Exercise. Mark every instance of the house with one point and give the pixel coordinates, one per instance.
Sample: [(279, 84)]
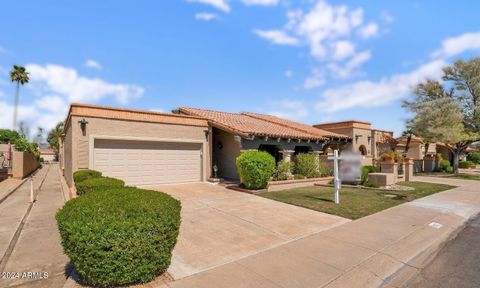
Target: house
[(416, 148), (371, 143), (48, 155), (145, 147)]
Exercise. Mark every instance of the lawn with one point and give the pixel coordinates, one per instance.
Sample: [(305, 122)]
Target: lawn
[(455, 176), (354, 203)]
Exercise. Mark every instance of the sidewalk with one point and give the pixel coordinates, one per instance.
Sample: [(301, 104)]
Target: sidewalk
[(37, 248), (384, 249), (7, 186)]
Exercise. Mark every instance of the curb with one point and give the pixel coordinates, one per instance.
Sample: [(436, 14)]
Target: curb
[(403, 276)]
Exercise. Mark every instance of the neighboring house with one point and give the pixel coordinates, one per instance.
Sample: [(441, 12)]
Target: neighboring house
[(416, 147), (371, 143), (145, 147), (48, 155)]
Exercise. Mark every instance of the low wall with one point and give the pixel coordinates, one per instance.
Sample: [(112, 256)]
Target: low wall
[(23, 164)]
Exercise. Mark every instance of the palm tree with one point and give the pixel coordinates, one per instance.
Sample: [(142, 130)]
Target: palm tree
[(409, 134), (20, 75)]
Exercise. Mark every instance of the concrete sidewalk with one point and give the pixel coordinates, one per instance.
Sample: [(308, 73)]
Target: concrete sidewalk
[(384, 249), (37, 247)]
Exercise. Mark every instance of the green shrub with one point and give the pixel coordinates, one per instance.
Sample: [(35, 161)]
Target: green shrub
[(255, 169), (474, 157), (444, 164), (119, 236), (449, 169), (307, 164), (98, 184), (466, 164), (299, 176), (8, 136), (82, 175), (284, 170), (372, 184), (367, 170)]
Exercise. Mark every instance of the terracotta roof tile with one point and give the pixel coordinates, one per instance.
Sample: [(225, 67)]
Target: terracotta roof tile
[(248, 124), (295, 125)]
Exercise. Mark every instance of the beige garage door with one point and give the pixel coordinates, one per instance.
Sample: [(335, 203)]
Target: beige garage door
[(142, 163)]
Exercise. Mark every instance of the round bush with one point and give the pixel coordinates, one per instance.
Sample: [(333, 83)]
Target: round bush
[(255, 169), (100, 183), (119, 236), (444, 164), (82, 175)]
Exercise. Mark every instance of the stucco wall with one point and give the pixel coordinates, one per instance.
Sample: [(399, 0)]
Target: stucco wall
[(23, 164), (68, 157), (118, 128), (225, 158)]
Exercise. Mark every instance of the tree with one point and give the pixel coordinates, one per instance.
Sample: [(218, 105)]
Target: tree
[(20, 75), (449, 112), (409, 134), (53, 136)]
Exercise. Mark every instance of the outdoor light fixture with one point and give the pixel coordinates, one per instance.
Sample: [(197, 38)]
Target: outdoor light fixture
[(83, 125), (369, 139), (215, 170), (356, 138)]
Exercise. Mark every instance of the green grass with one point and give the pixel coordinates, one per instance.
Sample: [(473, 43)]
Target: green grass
[(354, 203), (448, 175)]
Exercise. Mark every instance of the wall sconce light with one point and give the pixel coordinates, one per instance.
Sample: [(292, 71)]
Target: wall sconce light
[(83, 125), (207, 133), (356, 138), (369, 139)]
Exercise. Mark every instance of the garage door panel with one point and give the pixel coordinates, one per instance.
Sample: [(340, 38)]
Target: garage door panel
[(138, 162)]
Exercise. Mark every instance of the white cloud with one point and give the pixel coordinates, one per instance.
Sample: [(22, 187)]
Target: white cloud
[(457, 45), (331, 33), (55, 79), (369, 30), (289, 109), (206, 16), (349, 68), (343, 49), (370, 93), (93, 64), (387, 17), (278, 37), (219, 4), (316, 79), (261, 2), (288, 73), (54, 87)]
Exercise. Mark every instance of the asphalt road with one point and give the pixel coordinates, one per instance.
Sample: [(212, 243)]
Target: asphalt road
[(457, 264)]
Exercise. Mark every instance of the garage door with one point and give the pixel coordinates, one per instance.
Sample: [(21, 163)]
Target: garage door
[(141, 163)]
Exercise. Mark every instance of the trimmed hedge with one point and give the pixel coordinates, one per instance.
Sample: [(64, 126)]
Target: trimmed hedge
[(466, 164), (307, 164), (119, 236), (82, 175), (98, 184), (255, 169)]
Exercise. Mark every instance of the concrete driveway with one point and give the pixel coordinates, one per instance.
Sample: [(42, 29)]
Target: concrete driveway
[(221, 225)]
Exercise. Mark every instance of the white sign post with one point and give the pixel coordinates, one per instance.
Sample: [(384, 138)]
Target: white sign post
[(347, 173)]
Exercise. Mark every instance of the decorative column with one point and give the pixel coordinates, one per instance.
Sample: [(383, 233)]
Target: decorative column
[(287, 155), (408, 164)]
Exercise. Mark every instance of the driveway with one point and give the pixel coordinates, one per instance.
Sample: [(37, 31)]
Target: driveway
[(221, 225)]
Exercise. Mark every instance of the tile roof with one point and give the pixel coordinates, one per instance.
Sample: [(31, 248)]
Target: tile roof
[(250, 124), (97, 111)]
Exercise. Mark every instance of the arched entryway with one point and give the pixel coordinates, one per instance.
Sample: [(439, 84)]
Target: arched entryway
[(363, 150)]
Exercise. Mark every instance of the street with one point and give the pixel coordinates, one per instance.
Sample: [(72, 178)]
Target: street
[(457, 264)]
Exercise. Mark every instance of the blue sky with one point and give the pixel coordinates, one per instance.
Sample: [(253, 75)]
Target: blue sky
[(311, 61)]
